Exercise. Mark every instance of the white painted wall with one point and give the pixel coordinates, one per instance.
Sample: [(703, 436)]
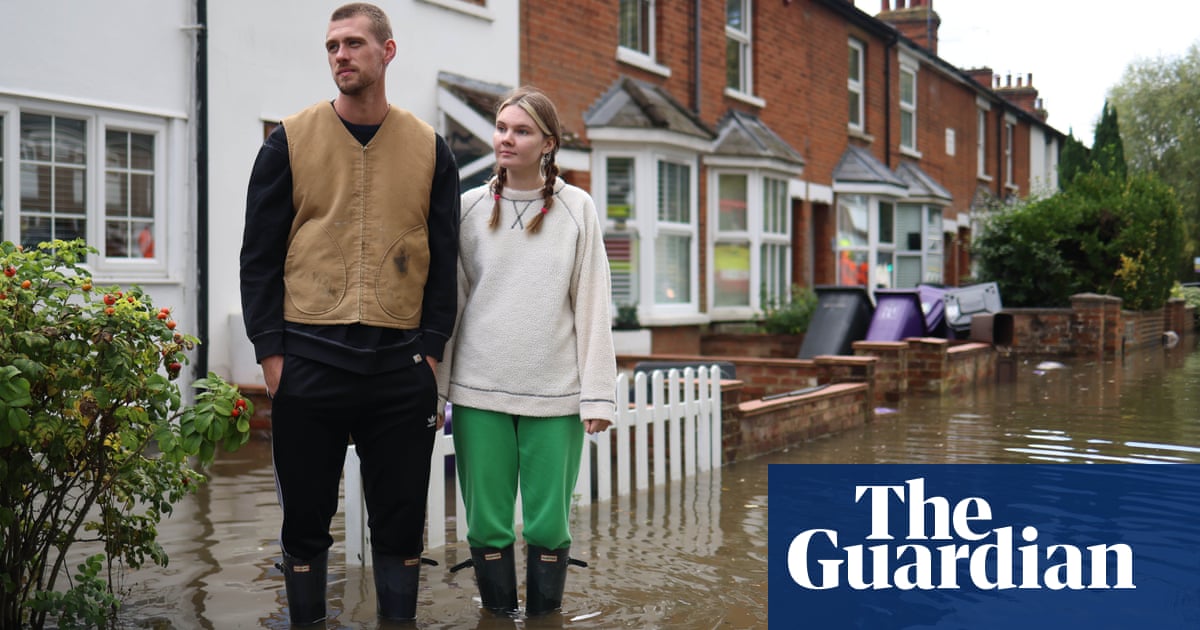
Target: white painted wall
[(267, 60), (120, 60), (1043, 162)]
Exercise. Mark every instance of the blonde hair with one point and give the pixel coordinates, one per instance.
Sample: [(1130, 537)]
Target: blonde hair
[(541, 109)]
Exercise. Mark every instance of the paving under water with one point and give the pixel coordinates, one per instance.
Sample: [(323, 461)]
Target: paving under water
[(690, 554)]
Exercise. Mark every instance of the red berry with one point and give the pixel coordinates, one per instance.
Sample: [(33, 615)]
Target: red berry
[(10, 271), (162, 315), (174, 366), (109, 299), (86, 286), (25, 284), (236, 412), (240, 403), (171, 324), (129, 299), (110, 310)]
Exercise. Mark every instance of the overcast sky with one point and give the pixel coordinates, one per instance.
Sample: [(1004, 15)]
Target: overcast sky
[(1075, 50)]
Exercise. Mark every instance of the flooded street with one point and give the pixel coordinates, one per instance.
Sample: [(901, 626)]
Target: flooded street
[(691, 554)]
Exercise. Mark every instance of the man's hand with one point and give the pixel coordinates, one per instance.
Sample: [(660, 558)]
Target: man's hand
[(272, 368), (596, 425)]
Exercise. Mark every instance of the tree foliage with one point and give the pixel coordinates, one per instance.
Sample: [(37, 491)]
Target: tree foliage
[(1159, 102), (1073, 160), (95, 440), (1104, 234), (1108, 152)]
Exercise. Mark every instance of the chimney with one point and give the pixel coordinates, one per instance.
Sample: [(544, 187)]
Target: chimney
[(1023, 95), (982, 76), (915, 19)]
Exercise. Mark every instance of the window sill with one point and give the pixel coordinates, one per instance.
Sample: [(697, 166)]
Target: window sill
[(859, 134), (984, 178), (466, 8), (912, 153), (642, 61), (749, 99)]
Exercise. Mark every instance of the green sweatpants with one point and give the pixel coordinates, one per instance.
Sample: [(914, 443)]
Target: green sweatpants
[(497, 452)]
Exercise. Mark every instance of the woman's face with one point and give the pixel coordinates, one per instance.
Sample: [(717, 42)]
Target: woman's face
[(517, 141)]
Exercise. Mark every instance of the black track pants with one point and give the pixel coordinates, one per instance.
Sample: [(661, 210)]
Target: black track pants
[(390, 416)]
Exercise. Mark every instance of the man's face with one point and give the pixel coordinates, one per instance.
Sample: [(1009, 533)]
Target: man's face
[(356, 58)]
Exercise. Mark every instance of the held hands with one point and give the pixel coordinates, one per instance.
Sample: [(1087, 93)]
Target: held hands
[(596, 425)]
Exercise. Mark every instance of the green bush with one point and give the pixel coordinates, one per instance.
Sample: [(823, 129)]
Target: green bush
[(1104, 235), (791, 316), (95, 441)]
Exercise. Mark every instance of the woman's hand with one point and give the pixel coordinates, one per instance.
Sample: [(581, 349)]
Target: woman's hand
[(596, 425)]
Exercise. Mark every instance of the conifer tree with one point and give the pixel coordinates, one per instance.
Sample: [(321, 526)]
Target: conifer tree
[(1073, 161), (1108, 152)]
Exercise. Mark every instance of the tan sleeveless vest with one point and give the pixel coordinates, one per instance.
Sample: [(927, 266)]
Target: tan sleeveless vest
[(358, 250)]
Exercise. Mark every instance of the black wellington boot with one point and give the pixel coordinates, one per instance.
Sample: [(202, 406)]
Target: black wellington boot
[(496, 577), (305, 585), (545, 579), (396, 583)]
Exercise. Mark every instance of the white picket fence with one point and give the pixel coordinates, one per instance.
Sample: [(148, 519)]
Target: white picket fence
[(670, 429)]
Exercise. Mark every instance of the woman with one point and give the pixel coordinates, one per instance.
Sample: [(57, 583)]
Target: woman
[(531, 365)]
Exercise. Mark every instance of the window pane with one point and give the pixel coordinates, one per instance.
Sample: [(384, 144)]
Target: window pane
[(909, 226), (70, 143), (883, 270), (674, 193), (907, 127), (53, 178), (886, 223), (853, 269), (620, 189), (852, 221), (731, 282), (908, 271), (672, 260), (907, 88), (775, 259), (129, 193), (735, 14), (733, 64), (775, 206), (37, 138), (623, 267), (855, 64), (731, 212), (635, 25), (855, 109), (933, 230)]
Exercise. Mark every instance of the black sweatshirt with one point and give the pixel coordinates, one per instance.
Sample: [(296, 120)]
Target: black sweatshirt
[(357, 347)]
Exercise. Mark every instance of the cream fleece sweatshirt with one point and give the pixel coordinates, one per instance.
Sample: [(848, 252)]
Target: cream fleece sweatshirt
[(534, 332)]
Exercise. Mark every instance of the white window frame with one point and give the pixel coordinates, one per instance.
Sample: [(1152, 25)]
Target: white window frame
[(644, 59), (646, 227), (744, 40), (857, 87), (908, 71), (96, 122), (755, 237), (981, 128), (1010, 136)]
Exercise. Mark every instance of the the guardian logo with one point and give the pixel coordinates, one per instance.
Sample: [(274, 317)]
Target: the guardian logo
[(949, 545)]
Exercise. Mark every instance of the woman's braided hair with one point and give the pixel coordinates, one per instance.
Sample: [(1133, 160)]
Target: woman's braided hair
[(542, 110)]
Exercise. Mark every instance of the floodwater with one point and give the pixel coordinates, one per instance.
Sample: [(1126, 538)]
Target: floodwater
[(691, 554)]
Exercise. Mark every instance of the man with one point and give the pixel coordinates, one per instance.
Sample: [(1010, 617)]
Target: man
[(348, 294)]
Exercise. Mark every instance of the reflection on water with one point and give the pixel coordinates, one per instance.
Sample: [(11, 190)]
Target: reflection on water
[(691, 554)]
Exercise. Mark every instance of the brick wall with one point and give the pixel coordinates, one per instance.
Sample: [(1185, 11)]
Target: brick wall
[(760, 427), (762, 346)]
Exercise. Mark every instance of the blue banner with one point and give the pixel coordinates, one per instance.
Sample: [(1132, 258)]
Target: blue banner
[(977, 547)]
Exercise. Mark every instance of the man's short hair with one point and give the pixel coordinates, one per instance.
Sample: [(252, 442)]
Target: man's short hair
[(381, 27)]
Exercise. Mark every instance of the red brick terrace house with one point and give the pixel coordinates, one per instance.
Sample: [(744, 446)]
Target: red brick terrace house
[(739, 147)]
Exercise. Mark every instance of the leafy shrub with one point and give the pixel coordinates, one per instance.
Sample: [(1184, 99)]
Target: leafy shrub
[(95, 440), (627, 317), (1105, 235), (792, 316)]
